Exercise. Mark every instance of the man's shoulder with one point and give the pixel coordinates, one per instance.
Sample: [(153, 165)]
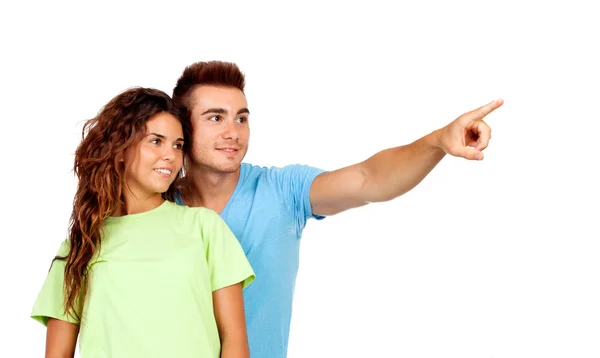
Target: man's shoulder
[(250, 171), (277, 180)]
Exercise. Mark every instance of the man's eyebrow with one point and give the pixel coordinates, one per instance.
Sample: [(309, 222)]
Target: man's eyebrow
[(223, 111), (214, 110)]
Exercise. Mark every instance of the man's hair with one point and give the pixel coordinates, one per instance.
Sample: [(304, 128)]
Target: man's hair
[(214, 73)]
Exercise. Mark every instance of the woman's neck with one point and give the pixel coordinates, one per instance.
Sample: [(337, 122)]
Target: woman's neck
[(137, 205)]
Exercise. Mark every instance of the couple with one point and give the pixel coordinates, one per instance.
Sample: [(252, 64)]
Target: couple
[(161, 264)]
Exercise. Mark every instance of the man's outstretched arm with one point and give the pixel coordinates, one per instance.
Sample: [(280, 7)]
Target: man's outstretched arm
[(395, 171)]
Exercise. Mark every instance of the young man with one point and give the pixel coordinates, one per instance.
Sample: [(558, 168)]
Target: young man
[(267, 208)]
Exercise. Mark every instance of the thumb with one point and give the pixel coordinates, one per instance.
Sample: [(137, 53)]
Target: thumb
[(469, 153)]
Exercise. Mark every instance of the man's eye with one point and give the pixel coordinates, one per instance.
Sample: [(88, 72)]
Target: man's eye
[(242, 119), (214, 118)]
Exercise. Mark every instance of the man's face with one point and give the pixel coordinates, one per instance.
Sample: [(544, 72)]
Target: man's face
[(221, 132)]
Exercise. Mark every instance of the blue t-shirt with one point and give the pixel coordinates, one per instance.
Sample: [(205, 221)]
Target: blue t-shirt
[(267, 212)]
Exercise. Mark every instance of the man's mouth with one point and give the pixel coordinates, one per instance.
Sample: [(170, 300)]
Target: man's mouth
[(228, 151)]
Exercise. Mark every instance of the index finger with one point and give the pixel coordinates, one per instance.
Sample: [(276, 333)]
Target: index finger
[(484, 110)]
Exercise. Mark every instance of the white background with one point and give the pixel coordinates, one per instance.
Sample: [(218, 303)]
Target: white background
[(498, 258)]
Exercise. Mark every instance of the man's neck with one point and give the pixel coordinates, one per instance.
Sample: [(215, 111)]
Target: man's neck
[(210, 189)]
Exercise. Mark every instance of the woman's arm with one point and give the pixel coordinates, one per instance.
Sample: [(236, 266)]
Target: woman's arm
[(231, 321), (61, 339)]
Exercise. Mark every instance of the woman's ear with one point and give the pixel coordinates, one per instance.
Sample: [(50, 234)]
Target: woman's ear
[(119, 159)]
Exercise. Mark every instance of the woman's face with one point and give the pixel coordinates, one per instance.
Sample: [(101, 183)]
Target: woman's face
[(153, 164)]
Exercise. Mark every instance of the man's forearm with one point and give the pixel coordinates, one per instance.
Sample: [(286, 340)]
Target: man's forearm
[(395, 171)]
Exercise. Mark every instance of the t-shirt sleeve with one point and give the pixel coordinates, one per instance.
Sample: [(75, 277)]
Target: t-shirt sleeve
[(227, 262), (294, 182), (49, 303)]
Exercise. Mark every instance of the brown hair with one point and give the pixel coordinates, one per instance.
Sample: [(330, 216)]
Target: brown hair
[(216, 73), (100, 172)]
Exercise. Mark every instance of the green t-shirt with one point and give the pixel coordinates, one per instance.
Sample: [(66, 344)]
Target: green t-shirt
[(151, 284)]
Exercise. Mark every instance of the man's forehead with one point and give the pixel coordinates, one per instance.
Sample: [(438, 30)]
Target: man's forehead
[(228, 98)]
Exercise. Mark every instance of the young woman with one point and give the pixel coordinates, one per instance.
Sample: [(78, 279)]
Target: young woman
[(138, 275)]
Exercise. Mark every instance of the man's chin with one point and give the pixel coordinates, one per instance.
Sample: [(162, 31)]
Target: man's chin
[(230, 167), (219, 166)]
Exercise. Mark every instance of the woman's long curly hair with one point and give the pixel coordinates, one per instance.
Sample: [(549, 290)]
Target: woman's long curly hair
[(100, 171)]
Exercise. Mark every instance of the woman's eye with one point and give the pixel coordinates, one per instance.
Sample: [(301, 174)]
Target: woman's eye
[(155, 141), (178, 146)]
